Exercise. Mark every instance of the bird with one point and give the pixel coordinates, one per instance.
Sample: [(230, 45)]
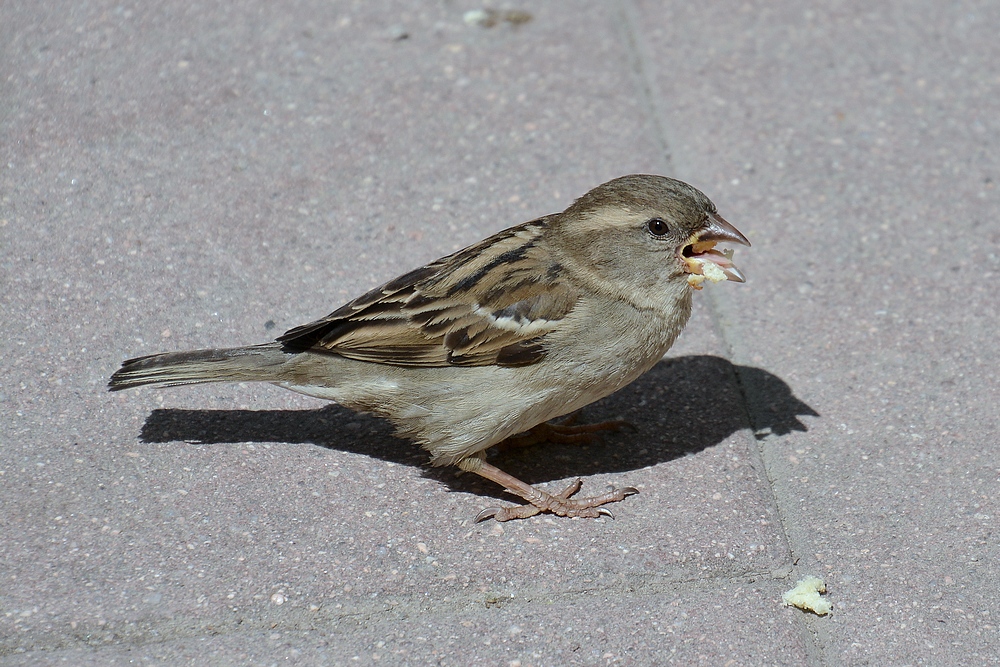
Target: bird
[(488, 344)]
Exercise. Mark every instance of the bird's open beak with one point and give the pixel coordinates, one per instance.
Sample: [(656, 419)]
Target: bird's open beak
[(702, 260)]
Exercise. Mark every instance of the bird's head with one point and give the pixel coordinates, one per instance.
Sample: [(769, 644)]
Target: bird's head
[(644, 234)]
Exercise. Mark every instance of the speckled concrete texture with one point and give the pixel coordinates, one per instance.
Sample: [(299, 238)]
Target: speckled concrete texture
[(180, 175)]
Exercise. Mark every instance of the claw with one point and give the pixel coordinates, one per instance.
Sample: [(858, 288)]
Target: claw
[(605, 512), (487, 513), (630, 491)]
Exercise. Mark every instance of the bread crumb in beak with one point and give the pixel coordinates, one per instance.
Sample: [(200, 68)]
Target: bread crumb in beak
[(703, 262)]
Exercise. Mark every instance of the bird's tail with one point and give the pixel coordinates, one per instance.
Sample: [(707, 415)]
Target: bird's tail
[(258, 363)]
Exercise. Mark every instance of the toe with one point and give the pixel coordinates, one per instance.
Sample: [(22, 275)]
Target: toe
[(571, 489)]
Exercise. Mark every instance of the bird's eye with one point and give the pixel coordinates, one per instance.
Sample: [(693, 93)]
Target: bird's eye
[(657, 227)]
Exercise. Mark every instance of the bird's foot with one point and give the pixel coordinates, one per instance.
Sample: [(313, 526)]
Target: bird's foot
[(561, 504)]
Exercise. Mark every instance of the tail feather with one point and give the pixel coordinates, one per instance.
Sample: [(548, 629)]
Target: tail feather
[(258, 363)]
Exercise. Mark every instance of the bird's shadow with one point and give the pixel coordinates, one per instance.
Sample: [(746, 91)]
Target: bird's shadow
[(681, 406)]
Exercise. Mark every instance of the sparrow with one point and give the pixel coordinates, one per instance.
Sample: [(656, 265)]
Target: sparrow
[(493, 341)]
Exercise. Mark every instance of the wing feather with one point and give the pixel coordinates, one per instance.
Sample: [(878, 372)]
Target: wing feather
[(490, 304)]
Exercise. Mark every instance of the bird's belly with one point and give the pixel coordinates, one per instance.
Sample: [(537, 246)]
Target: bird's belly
[(454, 412)]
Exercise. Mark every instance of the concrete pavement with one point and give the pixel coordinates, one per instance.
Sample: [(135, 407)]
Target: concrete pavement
[(178, 176)]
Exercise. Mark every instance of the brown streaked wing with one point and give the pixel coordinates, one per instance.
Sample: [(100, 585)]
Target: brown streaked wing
[(491, 303)]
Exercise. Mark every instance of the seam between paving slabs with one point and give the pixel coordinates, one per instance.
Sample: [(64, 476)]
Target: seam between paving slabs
[(150, 631), (645, 84), (812, 627), (719, 309), (647, 87)]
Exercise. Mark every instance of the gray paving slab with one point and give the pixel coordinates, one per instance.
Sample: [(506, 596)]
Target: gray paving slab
[(177, 176), (859, 141)]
